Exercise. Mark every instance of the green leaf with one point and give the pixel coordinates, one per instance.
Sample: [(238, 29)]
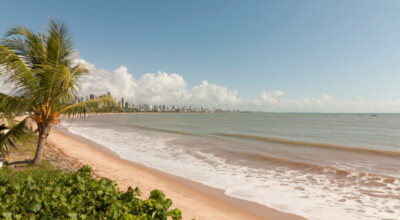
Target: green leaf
[(49, 194), (7, 215), (35, 207), (159, 206), (73, 216), (137, 190)]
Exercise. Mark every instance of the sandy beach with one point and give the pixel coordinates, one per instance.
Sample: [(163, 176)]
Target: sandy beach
[(195, 200)]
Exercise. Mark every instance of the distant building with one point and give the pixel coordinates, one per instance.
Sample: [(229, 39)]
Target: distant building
[(131, 107)]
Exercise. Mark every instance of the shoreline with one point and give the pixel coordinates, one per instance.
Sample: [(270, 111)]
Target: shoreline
[(196, 200)]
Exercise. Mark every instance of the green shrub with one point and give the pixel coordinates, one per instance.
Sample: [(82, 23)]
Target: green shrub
[(51, 194)]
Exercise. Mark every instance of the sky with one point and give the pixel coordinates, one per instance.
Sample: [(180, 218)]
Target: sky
[(298, 56)]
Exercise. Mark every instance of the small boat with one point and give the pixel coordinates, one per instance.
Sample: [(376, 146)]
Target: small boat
[(374, 114)]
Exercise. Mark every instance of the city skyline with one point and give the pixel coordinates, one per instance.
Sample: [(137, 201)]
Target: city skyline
[(144, 107)]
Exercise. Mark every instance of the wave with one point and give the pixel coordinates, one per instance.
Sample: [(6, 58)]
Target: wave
[(310, 167), (165, 130), (281, 141), (311, 144)]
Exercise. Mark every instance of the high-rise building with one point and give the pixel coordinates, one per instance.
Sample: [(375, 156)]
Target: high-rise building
[(91, 96), (109, 93), (122, 102)]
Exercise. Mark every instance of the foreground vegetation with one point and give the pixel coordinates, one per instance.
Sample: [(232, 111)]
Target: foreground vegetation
[(51, 194)]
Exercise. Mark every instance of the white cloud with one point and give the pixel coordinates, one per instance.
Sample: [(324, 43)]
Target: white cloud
[(155, 88), (269, 97), (211, 94), (99, 81), (171, 89), (161, 88)]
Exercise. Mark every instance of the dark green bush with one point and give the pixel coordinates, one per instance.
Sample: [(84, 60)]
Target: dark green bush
[(51, 194)]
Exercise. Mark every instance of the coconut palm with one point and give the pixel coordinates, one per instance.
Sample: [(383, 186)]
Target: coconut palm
[(40, 69)]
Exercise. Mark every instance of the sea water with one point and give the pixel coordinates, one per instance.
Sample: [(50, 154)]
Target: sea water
[(319, 166)]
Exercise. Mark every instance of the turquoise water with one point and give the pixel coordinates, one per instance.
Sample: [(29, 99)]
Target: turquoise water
[(307, 164)]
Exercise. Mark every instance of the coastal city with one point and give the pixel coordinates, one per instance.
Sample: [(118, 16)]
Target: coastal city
[(131, 107)]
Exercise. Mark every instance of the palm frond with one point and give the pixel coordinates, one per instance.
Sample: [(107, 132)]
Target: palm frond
[(59, 44), (19, 133), (57, 86), (61, 91), (16, 72), (78, 70), (25, 43), (81, 109), (77, 73), (10, 104)]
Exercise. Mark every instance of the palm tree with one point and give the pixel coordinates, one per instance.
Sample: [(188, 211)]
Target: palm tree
[(45, 79)]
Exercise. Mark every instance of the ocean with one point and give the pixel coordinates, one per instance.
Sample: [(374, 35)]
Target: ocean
[(319, 166)]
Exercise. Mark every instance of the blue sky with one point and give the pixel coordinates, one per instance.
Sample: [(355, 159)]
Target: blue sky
[(345, 49)]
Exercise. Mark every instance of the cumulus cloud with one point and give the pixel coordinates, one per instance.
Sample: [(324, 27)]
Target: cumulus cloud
[(155, 88), (269, 97), (161, 88), (212, 94), (171, 89), (99, 81)]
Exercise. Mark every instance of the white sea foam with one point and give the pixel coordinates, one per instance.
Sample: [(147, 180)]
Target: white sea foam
[(314, 196)]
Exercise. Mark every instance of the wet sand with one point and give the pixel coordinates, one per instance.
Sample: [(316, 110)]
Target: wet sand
[(194, 199)]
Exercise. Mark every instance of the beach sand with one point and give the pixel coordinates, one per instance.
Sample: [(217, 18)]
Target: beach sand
[(194, 199)]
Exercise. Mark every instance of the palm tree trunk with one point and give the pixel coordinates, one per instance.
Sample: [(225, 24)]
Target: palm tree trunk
[(43, 133)]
